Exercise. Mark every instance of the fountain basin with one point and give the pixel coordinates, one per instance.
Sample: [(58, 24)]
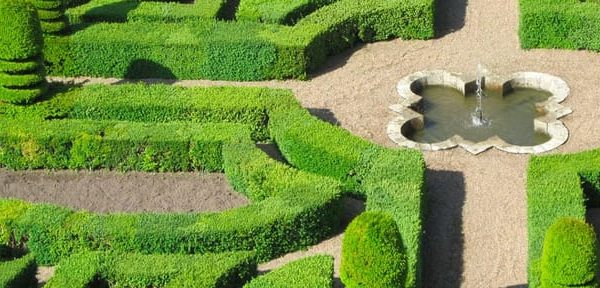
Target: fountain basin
[(546, 131)]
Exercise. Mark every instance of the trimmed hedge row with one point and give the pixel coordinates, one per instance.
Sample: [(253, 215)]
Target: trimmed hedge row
[(18, 273), (235, 51), (22, 74), (146, 12), (83, 144), (299, 209), (309, 272), (391, 180), (554, 190), (277, 11), (569, 24), (163, 103), (165, 270)]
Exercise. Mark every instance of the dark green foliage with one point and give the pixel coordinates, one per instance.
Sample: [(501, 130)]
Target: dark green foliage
[(22, 74), (569, 24), (18, 273), (277, 11), (211, 49), (373, 253), (310, 272), (52, 15), (165, 270), (554, 191), (570, 255)]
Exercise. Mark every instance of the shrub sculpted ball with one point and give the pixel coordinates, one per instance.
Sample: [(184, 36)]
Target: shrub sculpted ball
[(22, 74), (569, 257), (373, 253)]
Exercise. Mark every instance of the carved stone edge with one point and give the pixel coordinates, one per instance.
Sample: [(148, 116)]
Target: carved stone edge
[(549, 123)]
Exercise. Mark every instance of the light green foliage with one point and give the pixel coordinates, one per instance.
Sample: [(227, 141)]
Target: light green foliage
[(11, 209), (310, 272), (52, 15), (570, 255), (554, 191), (568, 24), (277, 11), (166, 270), (373, 253), (18, 273), (22, 74)]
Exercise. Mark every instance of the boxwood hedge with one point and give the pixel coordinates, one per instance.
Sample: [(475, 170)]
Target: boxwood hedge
[(277, 11), (554, 191), (18, 273), (223, 50), (569, 24), (309, 272), (160, 270), (292, 207), (22, 75)]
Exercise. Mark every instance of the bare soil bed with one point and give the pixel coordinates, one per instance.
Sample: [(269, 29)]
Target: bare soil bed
[(107, 191)]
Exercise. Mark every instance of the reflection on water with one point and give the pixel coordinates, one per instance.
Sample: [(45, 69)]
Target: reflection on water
[(448, 112)]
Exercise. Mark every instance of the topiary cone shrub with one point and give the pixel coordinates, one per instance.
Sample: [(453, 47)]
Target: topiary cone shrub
[(52, 15), (22, 73), (372, 252), (569, 256)]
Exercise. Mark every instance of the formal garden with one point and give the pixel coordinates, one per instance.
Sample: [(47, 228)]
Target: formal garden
[(296, 196)]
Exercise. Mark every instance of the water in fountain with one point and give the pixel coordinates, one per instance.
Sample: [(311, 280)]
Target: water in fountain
[(477, 118)]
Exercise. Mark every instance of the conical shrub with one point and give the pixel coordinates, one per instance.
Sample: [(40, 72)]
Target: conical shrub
[(22, 74), (52, 15), (372, 253)]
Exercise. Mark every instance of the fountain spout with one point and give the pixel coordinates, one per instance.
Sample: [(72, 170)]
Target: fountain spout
[(477, 118)]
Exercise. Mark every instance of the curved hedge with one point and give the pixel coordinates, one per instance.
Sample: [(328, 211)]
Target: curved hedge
[(372, 252), (570, 255), (22, 74), (291, 208), (208, 49), (554, 191)]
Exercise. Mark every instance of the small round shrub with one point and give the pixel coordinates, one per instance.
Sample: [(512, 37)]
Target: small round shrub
[(52, 15), (22, 73), (569, 256), (372, 252)]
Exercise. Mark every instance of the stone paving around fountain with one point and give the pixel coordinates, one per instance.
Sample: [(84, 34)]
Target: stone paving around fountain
[(476, 231)]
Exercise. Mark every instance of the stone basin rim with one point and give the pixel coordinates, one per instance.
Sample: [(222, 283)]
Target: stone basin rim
[(548, 123)]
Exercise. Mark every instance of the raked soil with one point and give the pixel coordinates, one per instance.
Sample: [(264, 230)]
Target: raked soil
[(476, 230)]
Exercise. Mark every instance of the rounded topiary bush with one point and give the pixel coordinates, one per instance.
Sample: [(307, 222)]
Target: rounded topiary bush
[(569, 256), (22, 74), (52, 15), (372, 252)]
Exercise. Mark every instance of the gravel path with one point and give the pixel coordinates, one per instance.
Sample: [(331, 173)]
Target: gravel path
[(476, 230)]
